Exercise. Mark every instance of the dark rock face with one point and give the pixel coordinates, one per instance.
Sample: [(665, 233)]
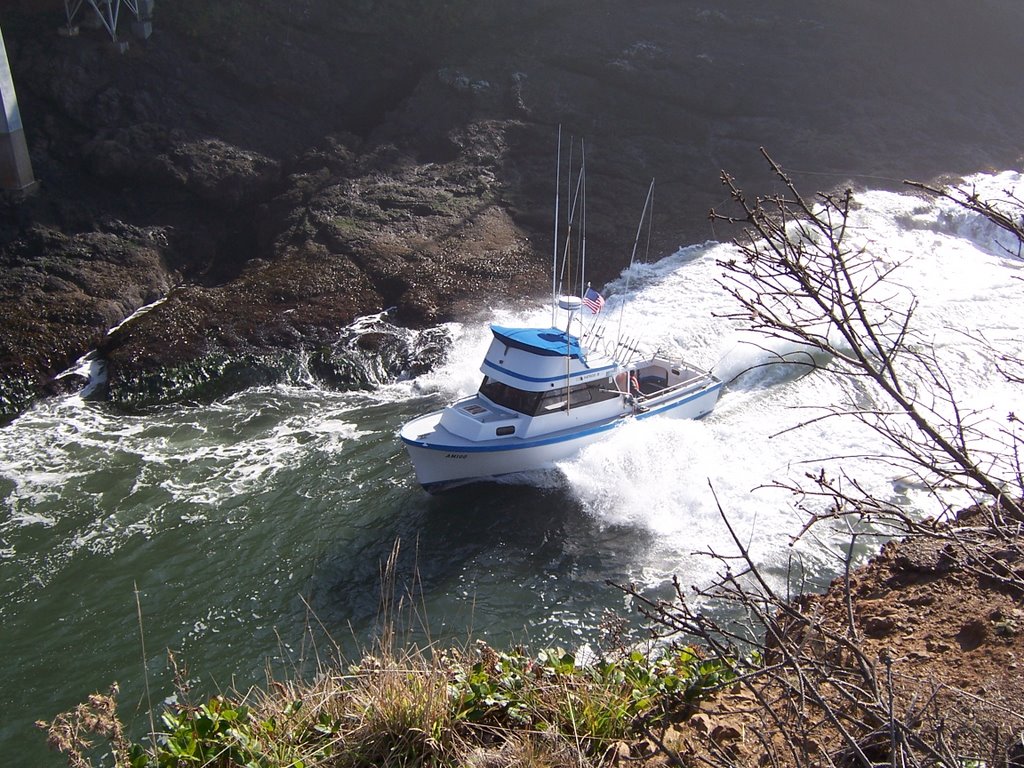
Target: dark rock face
[(276, 170), (59, 294)]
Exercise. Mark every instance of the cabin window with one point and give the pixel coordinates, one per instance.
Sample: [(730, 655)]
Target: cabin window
[(603, 390), (581, 394), (552, 401), (539, 403), (504, 396)]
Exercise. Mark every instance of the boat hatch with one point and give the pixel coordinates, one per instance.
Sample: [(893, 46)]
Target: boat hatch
[(476, 419)]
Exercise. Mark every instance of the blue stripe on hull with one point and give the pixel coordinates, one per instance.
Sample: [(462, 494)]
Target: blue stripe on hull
[(517, 446), (576, 435)]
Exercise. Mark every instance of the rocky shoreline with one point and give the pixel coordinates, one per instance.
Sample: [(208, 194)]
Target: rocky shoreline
[(273, 174)]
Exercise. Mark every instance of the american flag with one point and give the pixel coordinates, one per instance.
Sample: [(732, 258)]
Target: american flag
[(593, 300)]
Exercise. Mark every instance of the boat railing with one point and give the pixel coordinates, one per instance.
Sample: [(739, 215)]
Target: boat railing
[(691, 383)]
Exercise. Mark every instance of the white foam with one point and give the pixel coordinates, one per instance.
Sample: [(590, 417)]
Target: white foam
[(657, 475), (186, 466)]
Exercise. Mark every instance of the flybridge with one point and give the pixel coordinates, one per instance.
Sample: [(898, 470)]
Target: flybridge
[(541, 341), (540, 359)]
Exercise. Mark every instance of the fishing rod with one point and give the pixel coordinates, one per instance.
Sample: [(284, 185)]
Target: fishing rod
[(632, 258), (554, 241)]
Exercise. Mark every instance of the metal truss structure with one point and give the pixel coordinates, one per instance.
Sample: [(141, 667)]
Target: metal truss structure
[(109, 11)]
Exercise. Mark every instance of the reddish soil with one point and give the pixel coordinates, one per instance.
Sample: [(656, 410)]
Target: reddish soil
[(944, 616)]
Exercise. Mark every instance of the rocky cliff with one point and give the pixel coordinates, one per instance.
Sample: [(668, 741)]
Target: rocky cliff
[(274, 170)]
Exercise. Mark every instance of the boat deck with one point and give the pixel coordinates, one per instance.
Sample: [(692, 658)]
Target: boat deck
[(657, 377)]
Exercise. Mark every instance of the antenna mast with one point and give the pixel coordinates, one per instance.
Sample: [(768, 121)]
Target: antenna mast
[(554, 242)]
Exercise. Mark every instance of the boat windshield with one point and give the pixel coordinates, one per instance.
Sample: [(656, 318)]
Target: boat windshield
[(539, 403), (504, 396)]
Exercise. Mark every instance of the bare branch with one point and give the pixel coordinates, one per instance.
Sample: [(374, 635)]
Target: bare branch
[(800, 279)]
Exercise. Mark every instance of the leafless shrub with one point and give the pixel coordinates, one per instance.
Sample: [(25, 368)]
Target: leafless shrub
[(825, 692), (1007, 214), (799, 278)]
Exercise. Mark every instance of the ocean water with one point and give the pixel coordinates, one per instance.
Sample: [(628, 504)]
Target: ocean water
[(252, 532)]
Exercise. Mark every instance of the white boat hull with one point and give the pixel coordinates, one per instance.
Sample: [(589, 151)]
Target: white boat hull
[(443, 460)]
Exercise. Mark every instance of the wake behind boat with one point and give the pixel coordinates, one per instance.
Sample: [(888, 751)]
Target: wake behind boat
[(548, 392)]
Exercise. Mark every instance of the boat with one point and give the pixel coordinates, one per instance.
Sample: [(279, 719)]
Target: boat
[(548, 392)]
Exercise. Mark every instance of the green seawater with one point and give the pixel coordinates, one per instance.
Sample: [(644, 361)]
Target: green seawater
[(252, 532)]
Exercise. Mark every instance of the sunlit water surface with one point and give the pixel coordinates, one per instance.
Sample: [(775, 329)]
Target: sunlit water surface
[(255, 528)]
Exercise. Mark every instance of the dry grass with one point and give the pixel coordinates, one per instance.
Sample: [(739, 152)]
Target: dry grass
[(403, 706), (407, 709)]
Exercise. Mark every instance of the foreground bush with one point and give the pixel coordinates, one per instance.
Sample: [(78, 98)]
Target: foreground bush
[(460, 707)]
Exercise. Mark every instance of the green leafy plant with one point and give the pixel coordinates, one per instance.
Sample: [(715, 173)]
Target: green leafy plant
[(598, 701), (215, 733), (412, 708), (493, 689)]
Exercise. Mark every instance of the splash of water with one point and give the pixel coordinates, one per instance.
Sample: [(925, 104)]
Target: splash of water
[(964, 277), (224, 513)]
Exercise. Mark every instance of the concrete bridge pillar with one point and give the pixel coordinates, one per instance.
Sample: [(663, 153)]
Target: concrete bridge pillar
[(15, 165)]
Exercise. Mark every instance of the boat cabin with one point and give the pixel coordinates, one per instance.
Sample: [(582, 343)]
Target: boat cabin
[(540, 403)]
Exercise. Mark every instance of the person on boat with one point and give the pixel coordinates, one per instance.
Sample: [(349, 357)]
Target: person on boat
[(627, 383)]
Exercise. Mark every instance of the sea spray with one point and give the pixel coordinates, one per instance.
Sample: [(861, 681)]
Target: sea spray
[(248, 520)]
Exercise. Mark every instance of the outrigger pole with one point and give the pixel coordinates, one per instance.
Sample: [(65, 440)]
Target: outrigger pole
[(583, 219), (554, 242), (565, 271), (629, 274)]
